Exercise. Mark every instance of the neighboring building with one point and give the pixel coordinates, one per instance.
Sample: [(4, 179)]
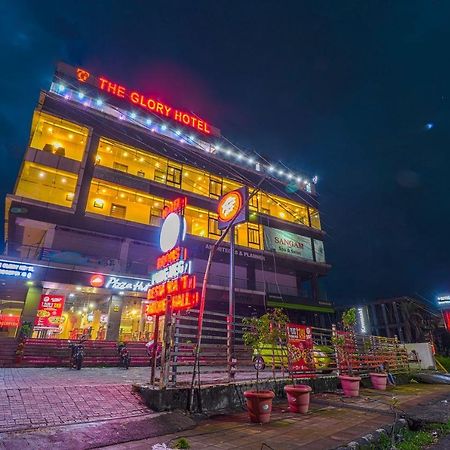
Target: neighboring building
[(82, 223), (408, 318)]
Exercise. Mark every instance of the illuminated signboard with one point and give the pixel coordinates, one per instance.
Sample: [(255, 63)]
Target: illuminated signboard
[(173, 275), (233, 206), (49, 312), (16, 269), (135, 97), (444, 300), (119, 283)]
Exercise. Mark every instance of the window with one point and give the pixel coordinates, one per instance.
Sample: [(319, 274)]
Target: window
[(195, 181), (315, 218), (215, 188), (121, 167), (253, 203), (60, 137), (155, 216), (174, 176), (253, 235), (118, 211), (160, 176), (213, 227), (46, 184)]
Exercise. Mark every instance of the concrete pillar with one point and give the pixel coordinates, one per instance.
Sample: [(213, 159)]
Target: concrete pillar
[(49, 237), (124, 248), (114, 316), (31, 305)]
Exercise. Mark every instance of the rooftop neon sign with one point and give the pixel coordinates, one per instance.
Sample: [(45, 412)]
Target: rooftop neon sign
[(141, 100)]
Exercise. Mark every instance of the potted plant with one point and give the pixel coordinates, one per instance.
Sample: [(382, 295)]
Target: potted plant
[(379, 377), (298, 395), (345, 348), (259, 402)]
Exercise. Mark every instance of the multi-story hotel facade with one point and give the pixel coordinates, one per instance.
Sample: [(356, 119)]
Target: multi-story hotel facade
[(82, 223)]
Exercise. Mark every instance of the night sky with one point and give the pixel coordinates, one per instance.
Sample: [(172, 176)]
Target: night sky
[(356, 92)]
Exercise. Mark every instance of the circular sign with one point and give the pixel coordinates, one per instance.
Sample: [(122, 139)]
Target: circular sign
[(97, 280), (229, 206), (173, 230)]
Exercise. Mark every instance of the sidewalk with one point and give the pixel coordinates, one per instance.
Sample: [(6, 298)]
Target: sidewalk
[(333, 421)]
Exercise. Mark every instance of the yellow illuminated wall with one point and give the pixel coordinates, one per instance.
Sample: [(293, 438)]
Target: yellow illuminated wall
[(183, 176), (58, 136), (46, 184), (127, 204)]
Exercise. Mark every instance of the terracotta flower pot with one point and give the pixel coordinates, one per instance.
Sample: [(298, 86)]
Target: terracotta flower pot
[(298, 397), (350, 385), (379, 380), (259, 405)]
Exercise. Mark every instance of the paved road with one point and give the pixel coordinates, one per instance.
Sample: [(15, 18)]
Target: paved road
[(32, 398)]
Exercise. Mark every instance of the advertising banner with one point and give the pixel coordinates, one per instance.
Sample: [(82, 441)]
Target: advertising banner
[(300, 345), (9, 320), (287, 243), (49, 313), (320, 252)]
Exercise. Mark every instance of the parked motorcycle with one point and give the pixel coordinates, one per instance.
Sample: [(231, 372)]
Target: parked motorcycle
[(77, 354), (124, 355)]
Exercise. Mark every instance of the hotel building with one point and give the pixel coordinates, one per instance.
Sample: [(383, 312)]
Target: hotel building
[(82, 222)]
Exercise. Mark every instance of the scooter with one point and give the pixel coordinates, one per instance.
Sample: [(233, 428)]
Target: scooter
[(77, 354), (124, 355)]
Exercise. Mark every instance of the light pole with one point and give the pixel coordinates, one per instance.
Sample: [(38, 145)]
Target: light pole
[(212, 251)]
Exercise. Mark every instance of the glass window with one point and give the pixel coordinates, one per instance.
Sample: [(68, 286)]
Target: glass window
[(229, 186), (174, 175), (121, 167), (118, 211), (213, 227), (253, 203), (315, 218), (137, 162), (123, 203), (46, 184), (253, 235), (195, 180), (60, 137), (215, 187)]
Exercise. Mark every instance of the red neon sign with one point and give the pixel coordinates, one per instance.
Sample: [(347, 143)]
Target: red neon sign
[(171, 257), (179, 301), (446, 315), (177, 207), (149, 103)]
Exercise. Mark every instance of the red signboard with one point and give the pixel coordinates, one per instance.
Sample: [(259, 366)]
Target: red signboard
[(49, 312), (300, 344), (146, 102), (446, 315), (9, 320), (173, 277)]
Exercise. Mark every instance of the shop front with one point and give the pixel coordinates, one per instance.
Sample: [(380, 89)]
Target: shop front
[(58, 303)]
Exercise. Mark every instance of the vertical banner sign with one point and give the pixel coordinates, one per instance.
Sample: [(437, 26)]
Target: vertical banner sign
[(173, 275), (49, 312), (300, 345), (233, 205), (446, 315)]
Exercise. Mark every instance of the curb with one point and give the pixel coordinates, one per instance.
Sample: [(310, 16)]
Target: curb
[(368, 440)]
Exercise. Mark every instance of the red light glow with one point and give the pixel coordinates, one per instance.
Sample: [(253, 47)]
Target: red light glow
[(153, 105), (177, 207), (172, 256), (180, 301)]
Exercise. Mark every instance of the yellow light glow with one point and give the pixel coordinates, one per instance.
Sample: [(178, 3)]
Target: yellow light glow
[(125, 154), (282, 214), (50, 129), (70, 136), (157, 164), (63, 180), (122, 195), (156, 204), (139, 199), (141, 159)]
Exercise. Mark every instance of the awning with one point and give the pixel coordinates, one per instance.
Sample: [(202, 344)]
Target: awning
[(323, 309)]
